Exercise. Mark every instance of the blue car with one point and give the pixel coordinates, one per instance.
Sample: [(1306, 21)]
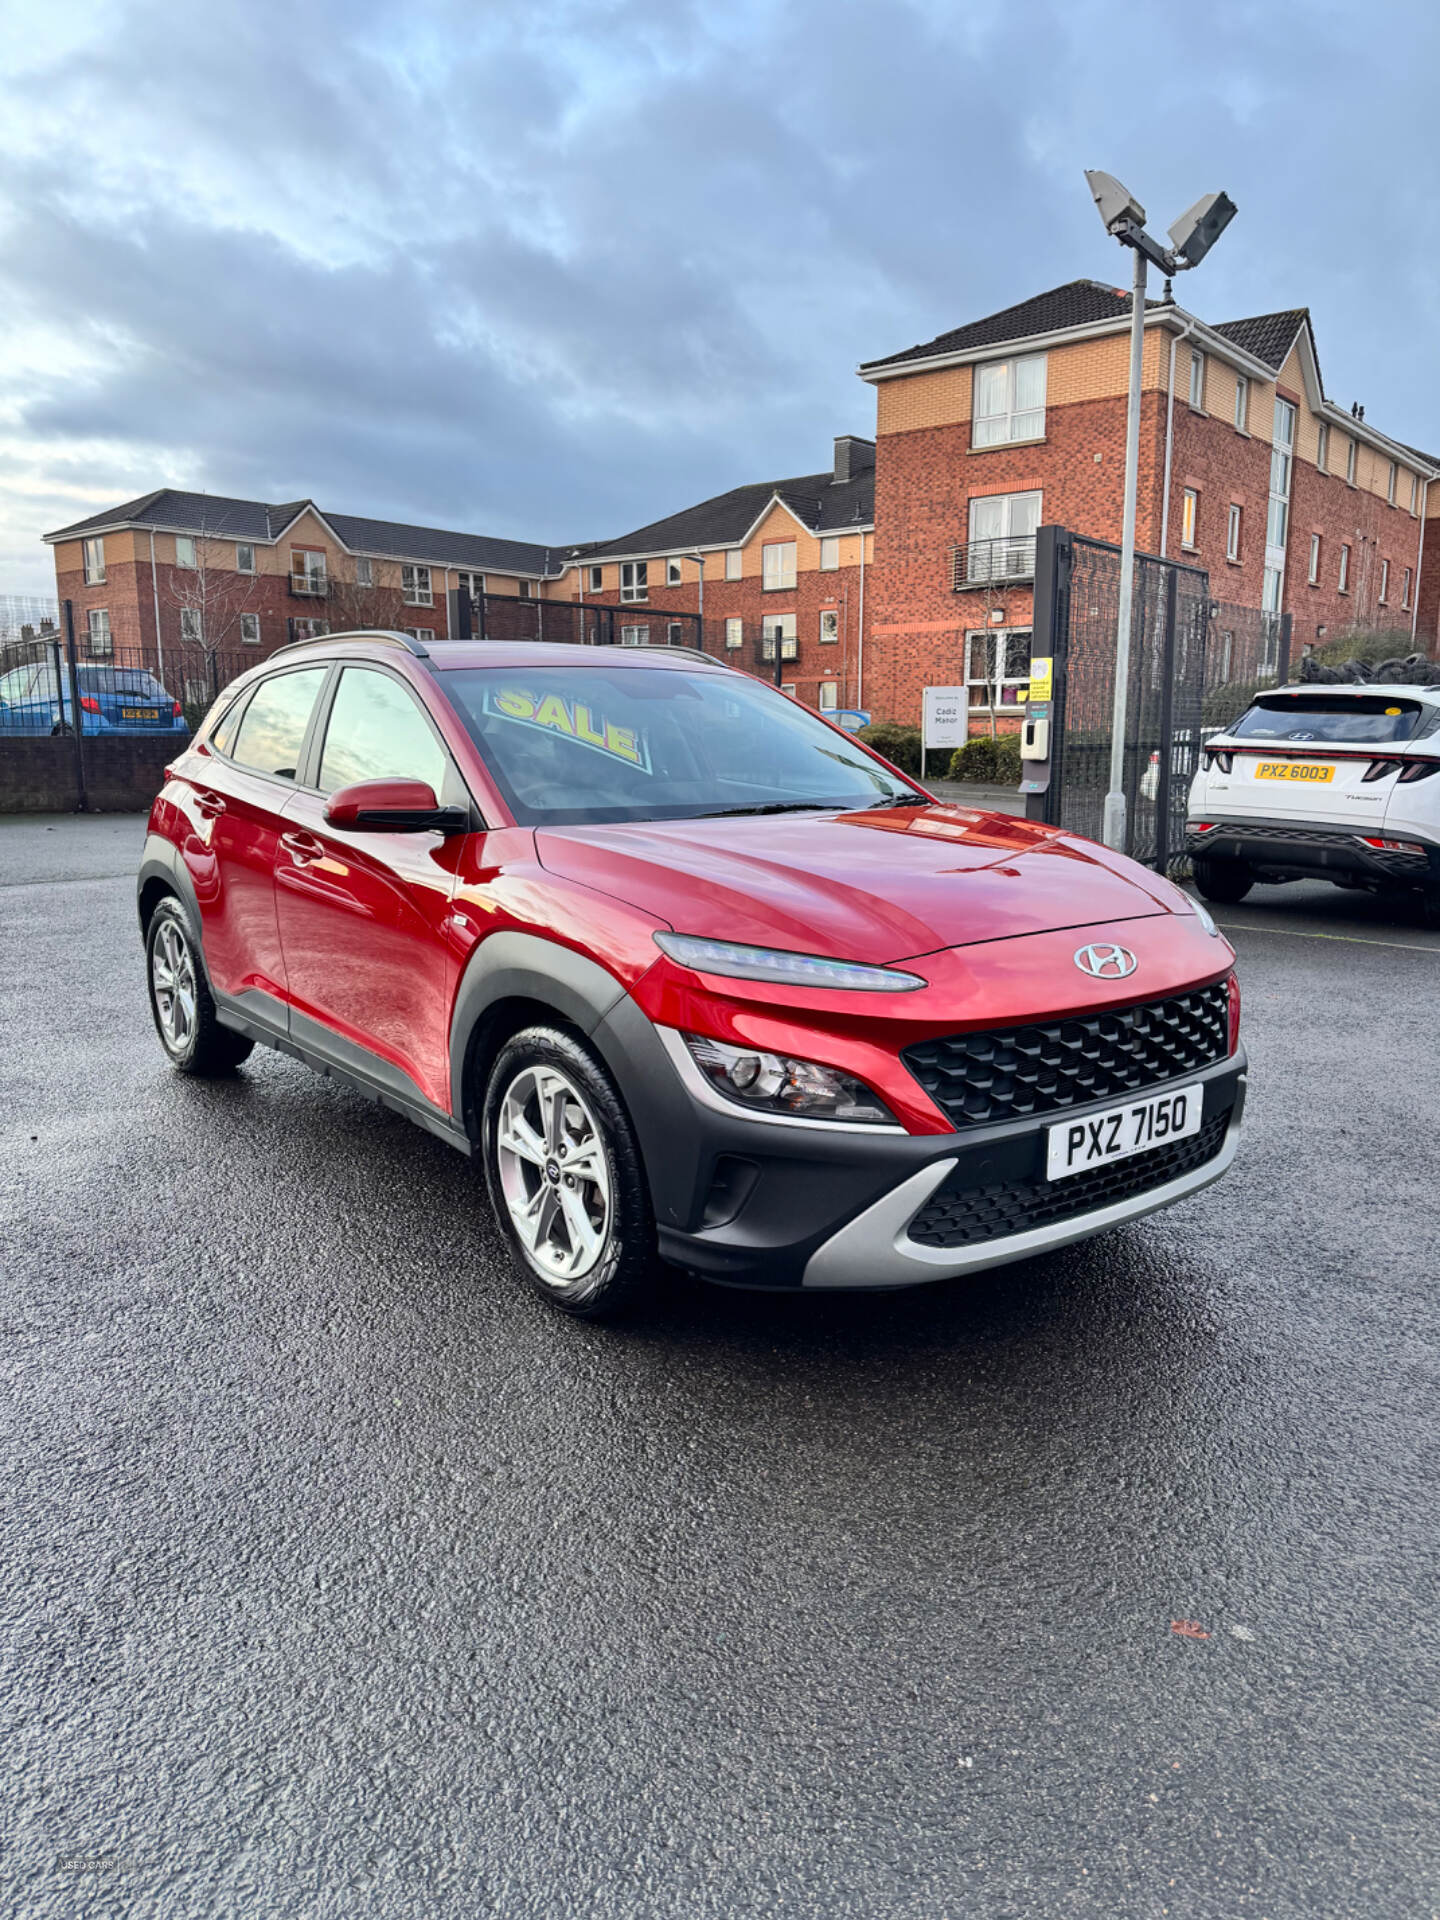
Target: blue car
[(112, 700)]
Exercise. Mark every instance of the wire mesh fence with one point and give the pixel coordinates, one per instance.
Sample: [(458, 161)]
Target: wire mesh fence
[(46, 688)]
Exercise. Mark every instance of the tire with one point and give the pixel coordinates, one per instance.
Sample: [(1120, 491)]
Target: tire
[(1223, 881), (180, 1001), (548, 1100)]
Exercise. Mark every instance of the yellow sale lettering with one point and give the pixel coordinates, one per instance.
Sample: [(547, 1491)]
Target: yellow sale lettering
[(577, 721)]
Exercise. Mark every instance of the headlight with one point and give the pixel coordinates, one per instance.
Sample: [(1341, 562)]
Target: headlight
[(782, 969), (774, 1083), (1206, 919)]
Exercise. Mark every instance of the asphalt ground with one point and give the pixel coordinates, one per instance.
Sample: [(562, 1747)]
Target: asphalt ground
[(340, 1577)]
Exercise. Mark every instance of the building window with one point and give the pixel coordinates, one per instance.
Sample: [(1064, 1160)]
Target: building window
[(307, 570), (1242, 402), (734, 634), (526, 590), (1189, 517), (997, 666), (1322, 448), (1197, 380), (1351, 450), (423, 634), (250, 629), (191, 626), (634, 636), (829, 626), (830, 553), (1384, 582), (1391, 482), (675, 633), (673, 573), (244, 557), (1009, 401), (778, 567), (1344, 569), (1002, 538), (94, 551), (734, 562), (184, 550), (1414, 491), (635, 580), (365, 571), (597, 579), (781, 627), (472, 585), (308, 628), (99, 619), (1232, 533), (1314, 560), (829, 696), (415, 586), (1405, 589)]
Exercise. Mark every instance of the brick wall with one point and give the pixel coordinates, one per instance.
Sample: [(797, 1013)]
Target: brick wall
[(123, 773)]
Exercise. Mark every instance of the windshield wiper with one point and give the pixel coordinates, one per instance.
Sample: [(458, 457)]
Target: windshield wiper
[(773, 806), (900, 800)]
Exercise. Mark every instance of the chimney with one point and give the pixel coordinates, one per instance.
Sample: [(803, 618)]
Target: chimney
[(853, 456)]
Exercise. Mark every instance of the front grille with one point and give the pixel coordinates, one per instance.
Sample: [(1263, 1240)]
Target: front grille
[(979, 1078), (957, 1215)]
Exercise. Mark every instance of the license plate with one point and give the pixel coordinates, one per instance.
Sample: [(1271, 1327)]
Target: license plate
[(1074, 1146), (139, 713), (1294, 770)]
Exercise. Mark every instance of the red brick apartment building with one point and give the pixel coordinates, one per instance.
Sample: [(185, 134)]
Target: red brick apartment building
[(875, 577), (1290, 502)]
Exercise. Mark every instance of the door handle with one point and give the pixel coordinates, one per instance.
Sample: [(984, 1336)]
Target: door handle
[(302, 847), (210, 805)]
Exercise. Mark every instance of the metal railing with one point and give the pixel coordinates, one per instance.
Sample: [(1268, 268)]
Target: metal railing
[(984, 563)]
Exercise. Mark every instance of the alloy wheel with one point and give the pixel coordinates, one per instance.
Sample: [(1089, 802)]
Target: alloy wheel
[(172, 980), (554, 1173)]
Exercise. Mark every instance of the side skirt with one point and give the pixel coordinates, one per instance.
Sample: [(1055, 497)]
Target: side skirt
[(266, 1020)]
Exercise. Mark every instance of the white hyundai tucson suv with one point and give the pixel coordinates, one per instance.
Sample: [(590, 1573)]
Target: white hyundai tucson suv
[(1322, 783)]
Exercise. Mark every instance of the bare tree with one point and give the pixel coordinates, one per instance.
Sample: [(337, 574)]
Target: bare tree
[(213, 594), (350, 605)]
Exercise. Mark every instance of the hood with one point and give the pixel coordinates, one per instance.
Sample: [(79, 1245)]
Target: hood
[(878, 886)]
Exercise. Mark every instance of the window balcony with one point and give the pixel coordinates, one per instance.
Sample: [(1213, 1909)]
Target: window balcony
[(989, 563), (308, 586)]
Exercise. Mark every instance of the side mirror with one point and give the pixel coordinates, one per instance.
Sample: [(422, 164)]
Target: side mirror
[(392, 806)]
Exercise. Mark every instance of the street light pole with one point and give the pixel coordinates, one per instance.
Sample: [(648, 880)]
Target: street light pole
[(1192, 235), (1113, 831)]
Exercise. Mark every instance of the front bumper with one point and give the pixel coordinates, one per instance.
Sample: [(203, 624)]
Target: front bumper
[(1324, 850), (759, 1203)]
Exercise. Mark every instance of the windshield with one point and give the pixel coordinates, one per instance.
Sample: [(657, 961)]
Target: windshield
[(127, 680), (1364, 720), (586, 744)]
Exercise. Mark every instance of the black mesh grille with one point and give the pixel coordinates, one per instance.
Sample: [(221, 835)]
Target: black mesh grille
[(956, 1215), (980, 1078)]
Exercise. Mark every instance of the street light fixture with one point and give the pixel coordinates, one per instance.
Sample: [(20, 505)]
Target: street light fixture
[(1193, 235)]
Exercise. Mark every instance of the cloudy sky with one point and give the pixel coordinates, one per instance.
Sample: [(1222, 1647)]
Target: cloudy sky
[(552, 270)]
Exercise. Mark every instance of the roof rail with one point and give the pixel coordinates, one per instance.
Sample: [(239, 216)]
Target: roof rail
[(388, 636)]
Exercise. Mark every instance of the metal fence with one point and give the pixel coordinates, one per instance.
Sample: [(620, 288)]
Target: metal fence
[(45, 683), (1195, 665), (27, 616)]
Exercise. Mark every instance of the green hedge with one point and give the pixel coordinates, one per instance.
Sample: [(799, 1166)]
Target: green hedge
[(994, 763), (901, 746)]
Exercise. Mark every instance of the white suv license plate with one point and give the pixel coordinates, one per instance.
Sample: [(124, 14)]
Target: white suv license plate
[(1074, 1146)]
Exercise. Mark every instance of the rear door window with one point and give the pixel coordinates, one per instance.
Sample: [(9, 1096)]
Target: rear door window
[(273, 729), (376, 731)]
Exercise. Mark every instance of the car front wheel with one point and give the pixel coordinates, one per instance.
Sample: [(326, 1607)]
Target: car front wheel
[(1223, 881), (180, 999), (565, 1175)]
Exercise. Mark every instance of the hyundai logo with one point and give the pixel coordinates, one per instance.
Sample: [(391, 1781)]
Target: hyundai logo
[(1106, 962)]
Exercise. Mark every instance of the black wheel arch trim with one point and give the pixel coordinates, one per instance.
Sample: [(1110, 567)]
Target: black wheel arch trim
[(161, 862)]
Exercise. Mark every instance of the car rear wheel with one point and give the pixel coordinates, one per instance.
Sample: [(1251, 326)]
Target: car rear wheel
[(1223, 881), (180, 999), (565, 1175)]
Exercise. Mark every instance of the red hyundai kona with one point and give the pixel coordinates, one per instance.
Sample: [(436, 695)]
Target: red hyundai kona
[(693, 973)]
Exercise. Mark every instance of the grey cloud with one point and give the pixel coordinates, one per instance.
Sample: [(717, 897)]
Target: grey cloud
[(552, 272)]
